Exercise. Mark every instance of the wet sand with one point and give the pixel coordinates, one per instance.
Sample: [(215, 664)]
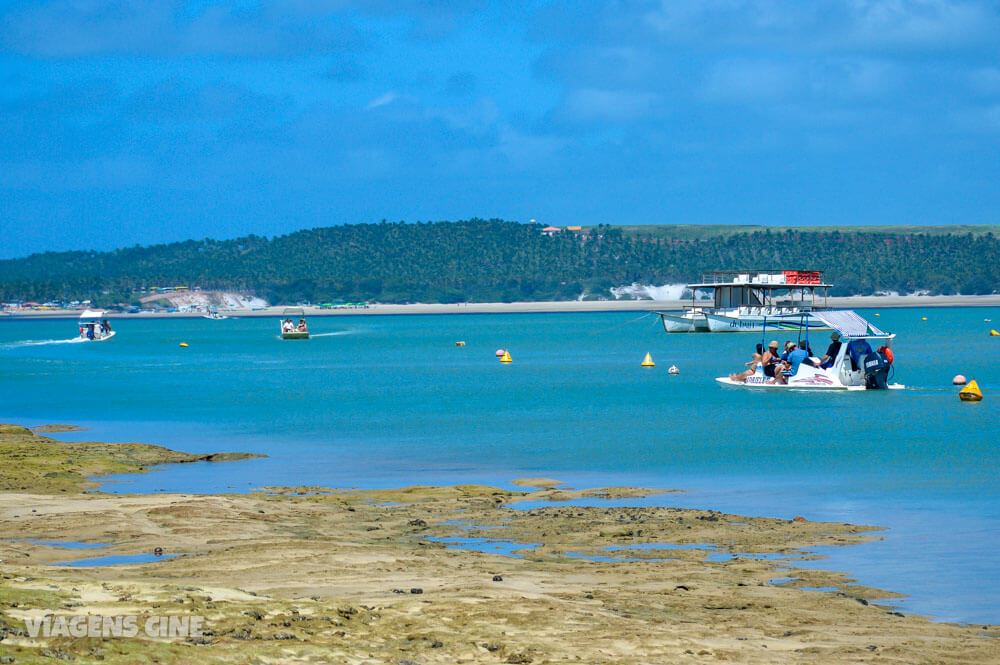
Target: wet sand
[(327, 575)]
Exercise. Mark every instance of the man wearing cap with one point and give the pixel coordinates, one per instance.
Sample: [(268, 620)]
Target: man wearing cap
[(831, 351)]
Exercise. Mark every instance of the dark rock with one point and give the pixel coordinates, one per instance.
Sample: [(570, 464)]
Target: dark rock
[(489, 646), (284, 636), (158, 551), (399, 590), (437, 644), (416, 589), (862, 601), (498, 578), (681, 587), (417, 522)]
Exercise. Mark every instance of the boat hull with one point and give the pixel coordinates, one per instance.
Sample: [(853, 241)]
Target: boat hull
[(684, 322), (755, 322), (101, 339), (295, 335)]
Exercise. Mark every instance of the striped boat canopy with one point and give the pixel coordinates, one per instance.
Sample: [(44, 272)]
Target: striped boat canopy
[(848, 323)]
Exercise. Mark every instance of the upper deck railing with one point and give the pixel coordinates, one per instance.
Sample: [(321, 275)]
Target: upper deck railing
[(764, 277)]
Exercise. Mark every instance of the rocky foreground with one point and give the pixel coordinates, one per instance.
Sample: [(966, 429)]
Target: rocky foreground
[(314, 575)]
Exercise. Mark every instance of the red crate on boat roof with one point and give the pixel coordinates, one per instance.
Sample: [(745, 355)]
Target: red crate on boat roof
[(801, 276)]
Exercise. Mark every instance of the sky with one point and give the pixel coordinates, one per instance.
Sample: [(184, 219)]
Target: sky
[(127, 122)]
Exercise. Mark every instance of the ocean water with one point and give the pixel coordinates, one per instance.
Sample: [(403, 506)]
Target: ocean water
[(376, 401)]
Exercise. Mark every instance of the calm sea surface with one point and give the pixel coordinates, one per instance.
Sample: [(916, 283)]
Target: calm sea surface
[(392, 401)]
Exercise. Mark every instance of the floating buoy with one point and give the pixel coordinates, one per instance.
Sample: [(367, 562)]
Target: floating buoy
[(459, 343), (673, 370), (959, 380), (648, 361), (994, 333), (184, 344), (506, 357), (500, 353), (877, 314), (923, 318), (971, 392)]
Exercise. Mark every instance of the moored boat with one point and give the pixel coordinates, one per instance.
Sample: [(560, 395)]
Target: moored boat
[(743, 300), (863, 360)]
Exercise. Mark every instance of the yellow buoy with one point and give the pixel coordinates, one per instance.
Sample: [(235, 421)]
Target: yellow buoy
[(506, 357), (648, 361), (459, 343), (923, 318), (184, 344), (994, 333), (971, 392), (877, 314)]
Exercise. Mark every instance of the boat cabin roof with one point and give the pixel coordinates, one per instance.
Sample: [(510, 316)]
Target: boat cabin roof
[(764, 279)]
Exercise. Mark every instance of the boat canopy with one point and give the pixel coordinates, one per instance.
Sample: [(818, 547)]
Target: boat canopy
[(293, 311), (92, 314), (848, 323)]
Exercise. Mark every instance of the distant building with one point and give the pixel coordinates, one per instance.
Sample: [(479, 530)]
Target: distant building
[(574, 228), (549, 230)]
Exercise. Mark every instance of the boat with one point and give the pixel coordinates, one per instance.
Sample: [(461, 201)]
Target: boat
[(94, 327), (214, 315), (297, 329), (743, 300), (863, 362)]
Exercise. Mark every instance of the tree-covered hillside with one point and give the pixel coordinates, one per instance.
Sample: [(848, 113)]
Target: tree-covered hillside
[(495, 260)]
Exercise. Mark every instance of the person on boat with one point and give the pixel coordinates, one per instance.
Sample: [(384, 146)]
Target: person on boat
[(770, 360), (302, 326), (106, 326), (752, 367), (287, 325), (831, 351)]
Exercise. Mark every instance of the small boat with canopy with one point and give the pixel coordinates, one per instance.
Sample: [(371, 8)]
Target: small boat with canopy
[(94, 327), (293, 323), (862, 362)]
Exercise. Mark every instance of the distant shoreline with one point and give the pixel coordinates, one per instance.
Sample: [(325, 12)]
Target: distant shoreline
[(851, 302)]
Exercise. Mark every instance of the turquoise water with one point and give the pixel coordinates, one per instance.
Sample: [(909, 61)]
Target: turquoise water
[(391, 401)]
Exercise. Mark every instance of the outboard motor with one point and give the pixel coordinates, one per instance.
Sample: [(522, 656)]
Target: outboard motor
[(876, 366)]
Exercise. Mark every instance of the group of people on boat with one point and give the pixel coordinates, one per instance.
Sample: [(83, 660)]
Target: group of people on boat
[(778, 366), (95, 329), (288, 326)]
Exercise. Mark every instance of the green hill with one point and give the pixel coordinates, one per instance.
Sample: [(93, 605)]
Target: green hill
[(496, 260)]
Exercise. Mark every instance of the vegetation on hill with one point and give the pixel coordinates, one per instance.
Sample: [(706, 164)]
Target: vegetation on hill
[(496, 260)]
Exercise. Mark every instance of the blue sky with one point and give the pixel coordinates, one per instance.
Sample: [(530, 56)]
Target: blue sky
[(129, 122)]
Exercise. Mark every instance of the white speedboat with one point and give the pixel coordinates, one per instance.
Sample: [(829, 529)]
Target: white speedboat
[(744, 301), (863, 362), (94, 327), (214, 315)]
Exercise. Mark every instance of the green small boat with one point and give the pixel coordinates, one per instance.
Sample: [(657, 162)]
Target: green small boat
[(291, 329)]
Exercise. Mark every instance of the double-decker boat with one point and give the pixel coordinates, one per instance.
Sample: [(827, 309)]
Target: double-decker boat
[(863, 361), (742, 300)]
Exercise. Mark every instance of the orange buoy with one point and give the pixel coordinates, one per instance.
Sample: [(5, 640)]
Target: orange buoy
[(971, 392)]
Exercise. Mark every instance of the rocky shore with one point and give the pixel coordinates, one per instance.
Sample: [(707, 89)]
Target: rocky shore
[(318, 574)]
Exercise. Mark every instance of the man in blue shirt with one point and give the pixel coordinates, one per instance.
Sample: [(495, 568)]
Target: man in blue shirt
[(797, 356)]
